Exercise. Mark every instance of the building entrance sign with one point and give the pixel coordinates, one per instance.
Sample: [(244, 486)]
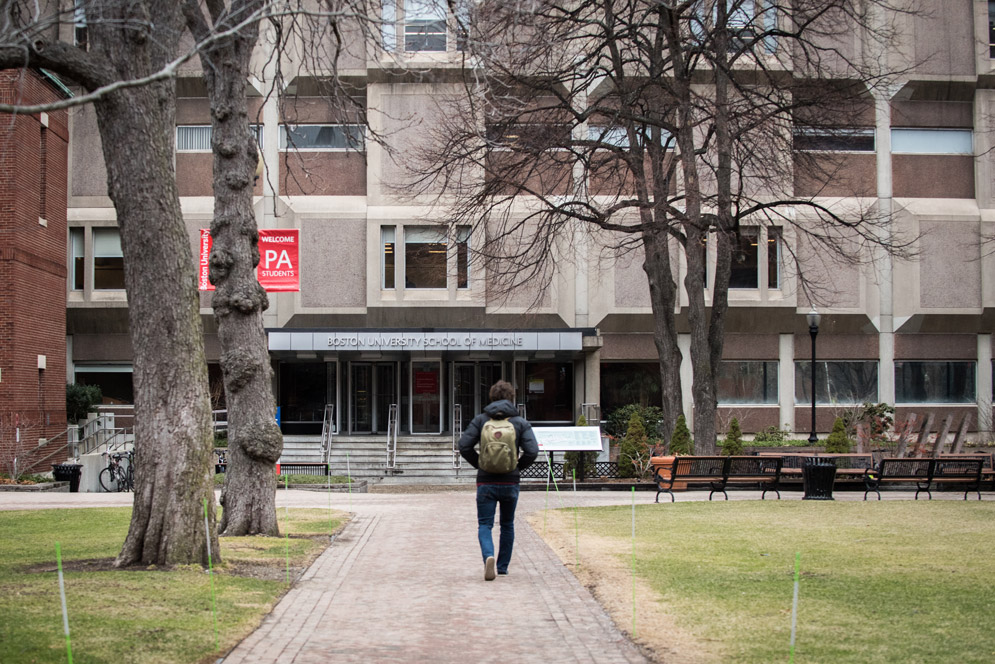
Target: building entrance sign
[(568, 439), (425, 341)]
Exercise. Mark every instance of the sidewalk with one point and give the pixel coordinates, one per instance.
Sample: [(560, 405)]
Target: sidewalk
[(404, 583)]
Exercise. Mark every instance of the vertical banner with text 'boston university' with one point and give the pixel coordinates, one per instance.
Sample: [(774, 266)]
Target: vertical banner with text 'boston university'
[(279, 265)]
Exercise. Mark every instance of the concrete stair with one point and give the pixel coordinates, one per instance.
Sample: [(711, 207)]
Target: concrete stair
[(419, 460)]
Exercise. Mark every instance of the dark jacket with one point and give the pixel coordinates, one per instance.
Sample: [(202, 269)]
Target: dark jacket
[(528, 448)]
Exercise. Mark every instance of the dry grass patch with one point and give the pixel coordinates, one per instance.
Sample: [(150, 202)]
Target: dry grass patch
[(882, 582)]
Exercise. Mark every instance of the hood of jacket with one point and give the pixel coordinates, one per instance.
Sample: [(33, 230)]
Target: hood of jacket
[(501, 410)]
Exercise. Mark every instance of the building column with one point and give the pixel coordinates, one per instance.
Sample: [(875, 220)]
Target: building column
[(687, 378), (884, 267), (592, 373), (786, 381), (985, 425)]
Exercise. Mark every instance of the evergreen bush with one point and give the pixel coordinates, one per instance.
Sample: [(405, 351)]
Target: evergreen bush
[(681, 442), (733, 443), (838, 442), (634, 449), (81, 399)]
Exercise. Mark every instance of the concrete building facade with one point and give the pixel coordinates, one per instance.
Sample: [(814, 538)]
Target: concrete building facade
[(393, 311)]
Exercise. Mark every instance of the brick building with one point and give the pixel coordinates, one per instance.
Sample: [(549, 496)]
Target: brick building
[(33, 229)]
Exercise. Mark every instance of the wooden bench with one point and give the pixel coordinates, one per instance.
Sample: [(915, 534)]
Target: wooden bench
[(849, 467), (718, 472), (987, 465), (924, 473)]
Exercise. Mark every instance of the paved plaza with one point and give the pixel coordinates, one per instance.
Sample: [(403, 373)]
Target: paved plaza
[(403, 582)]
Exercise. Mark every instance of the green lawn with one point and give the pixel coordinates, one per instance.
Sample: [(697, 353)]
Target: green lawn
[(880, 581), (146, 616)]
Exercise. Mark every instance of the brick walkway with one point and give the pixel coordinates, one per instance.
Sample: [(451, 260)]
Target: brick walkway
[(404, 583)]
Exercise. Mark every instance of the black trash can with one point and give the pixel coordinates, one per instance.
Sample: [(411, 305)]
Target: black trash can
[(68, 472), (818, 477)]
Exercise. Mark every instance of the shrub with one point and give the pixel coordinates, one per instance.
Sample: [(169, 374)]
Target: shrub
[(733, 444), (771, 434), (81, 399), (838, 442), (634, 450), (681, 442), (617, 423)]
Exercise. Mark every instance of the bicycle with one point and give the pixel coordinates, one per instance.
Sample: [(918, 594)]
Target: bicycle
[(118, 476)]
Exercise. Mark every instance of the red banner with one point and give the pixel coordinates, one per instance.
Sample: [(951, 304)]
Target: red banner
[(279, 263), (279, 267), (203, 283)]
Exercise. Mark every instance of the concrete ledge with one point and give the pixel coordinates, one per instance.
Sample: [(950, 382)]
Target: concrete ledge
[(62, 487), (357, 487)]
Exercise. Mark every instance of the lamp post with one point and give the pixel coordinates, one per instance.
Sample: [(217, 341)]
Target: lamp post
[(813, 319)]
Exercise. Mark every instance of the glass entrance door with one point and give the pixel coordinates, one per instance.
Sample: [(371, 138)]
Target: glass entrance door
[(464, 391), (360, 398), (426, 397), (472, 383), (373, 388), (385, 384)]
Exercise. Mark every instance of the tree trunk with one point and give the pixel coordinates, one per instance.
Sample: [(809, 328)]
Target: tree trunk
[(172, 410), (254, 439), (663, 298)]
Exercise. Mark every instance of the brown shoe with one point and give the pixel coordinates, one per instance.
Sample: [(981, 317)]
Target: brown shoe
[(490, 569)]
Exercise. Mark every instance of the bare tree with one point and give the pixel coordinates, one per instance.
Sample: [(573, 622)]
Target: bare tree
[(127, 42), (658, 124)]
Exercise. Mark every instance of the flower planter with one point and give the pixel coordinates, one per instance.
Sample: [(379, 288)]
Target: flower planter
[(664, 464)]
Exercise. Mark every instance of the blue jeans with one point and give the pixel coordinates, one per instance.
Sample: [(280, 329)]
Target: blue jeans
[(488, 497)]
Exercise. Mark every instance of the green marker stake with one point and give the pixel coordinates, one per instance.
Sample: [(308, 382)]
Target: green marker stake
[(576, 521), (330, 529), (633, 561), (286, 529), (65, 612), (210, 572), (286, 487), (794, 606), (545, 512)]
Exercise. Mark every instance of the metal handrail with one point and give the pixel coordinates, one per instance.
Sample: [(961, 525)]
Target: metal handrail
[(392, 437), (327, 430), (457, 431), (70, 444), (217, 422)]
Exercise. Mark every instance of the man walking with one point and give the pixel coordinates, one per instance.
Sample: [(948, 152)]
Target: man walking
[(507, 446)]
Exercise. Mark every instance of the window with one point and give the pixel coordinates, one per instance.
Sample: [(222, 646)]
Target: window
[(387, 234), (424, 25), (746, 258), (425, 257), (747, 382), (197, 138), (811, 139), (114, 381), (991, 29), (530, 137), (623, 383), (547, 390), (322, 137), (77, 259), (935, 382), (932, 141), (773, 257), (108, 261), (618, 137), (79, 24), (837, 382)]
